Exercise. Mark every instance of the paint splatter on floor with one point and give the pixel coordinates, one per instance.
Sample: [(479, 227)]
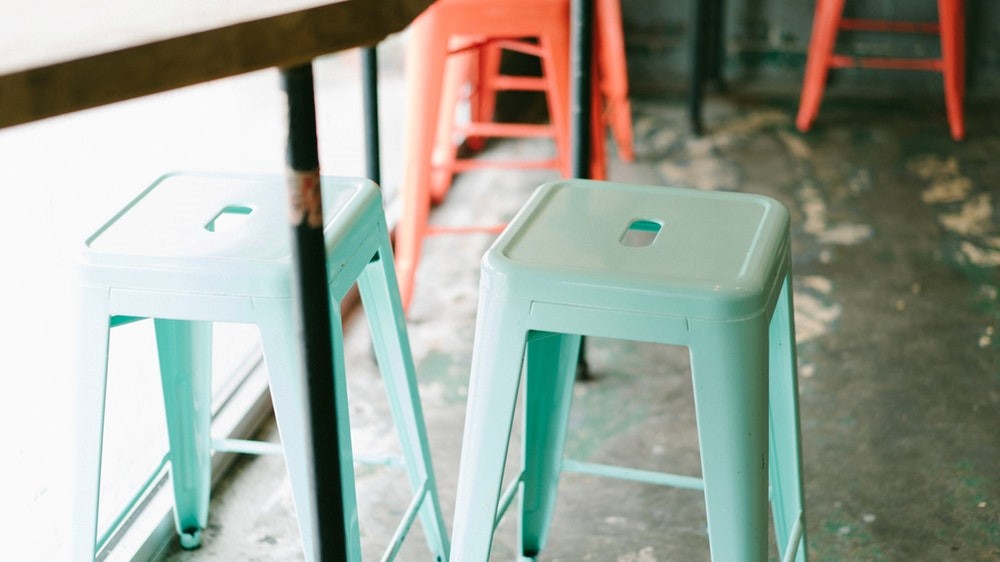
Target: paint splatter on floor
[(962, 210)]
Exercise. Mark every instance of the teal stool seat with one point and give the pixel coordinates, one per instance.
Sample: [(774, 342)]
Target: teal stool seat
[(706, 270), (174, 255)]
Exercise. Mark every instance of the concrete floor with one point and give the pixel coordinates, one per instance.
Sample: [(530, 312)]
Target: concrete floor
[(896, 242)]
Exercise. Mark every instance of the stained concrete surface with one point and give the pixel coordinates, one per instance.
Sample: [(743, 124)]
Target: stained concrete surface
[(896, 249)]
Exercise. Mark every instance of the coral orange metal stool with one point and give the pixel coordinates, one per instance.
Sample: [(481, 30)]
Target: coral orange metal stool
[(480, 68), (707, 270), (459, 42), (611, 81), (828, 20)]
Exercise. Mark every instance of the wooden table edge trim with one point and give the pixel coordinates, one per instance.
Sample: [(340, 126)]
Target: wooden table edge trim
[(277, 41)]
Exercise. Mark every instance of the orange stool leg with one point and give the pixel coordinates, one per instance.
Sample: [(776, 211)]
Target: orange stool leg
[(426, 75), (459, 67), (484, 89), (613, 73), (598, 156), (826, 22), (555, 69), (951, 15)]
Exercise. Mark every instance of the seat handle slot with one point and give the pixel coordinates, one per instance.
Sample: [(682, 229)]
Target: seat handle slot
[(229, 218), (641, 233)]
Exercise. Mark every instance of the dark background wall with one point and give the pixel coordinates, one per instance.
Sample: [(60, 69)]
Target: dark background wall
[(765, 43)]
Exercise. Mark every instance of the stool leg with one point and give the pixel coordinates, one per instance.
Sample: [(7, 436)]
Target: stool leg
[(350, 497), (951, 15), (91, 355), (425, 68), (185, 352), (613, 73), (787, 502), (482, 75), (826, 22), (493, 384), (550, 372), (598, 136), (729, 370), (380, 297), (289, 395), (456, 75), (484, 92), (555, 68)]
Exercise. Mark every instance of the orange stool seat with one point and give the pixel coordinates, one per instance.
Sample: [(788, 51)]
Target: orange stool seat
[(828, 20), (457, 44)]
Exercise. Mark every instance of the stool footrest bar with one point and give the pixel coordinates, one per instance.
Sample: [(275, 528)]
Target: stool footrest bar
[(520, 46), (634, 474), (506, 130), (886, 63), (856, 24), (506, 498), (247, 447), (489, 229), (465, 165), (394, 462), (404, 525), (794, 538), (520, 83)]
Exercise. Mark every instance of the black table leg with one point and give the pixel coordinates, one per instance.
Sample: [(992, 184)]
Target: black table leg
[(706, 56), (699, 43), (369, 79), (716, 48), (581, 49), (313, 310)]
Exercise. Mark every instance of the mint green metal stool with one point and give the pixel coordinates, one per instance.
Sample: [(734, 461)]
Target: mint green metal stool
[(707, 270), (173, 255)]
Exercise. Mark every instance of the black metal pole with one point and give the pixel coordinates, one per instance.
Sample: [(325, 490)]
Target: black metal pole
[(582, 53), (581, 47), (716, 46), (369, 80), (313, 308), (706, 57), (699, 48)]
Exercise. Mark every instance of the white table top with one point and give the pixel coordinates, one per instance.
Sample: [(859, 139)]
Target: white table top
[(58, 56)]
